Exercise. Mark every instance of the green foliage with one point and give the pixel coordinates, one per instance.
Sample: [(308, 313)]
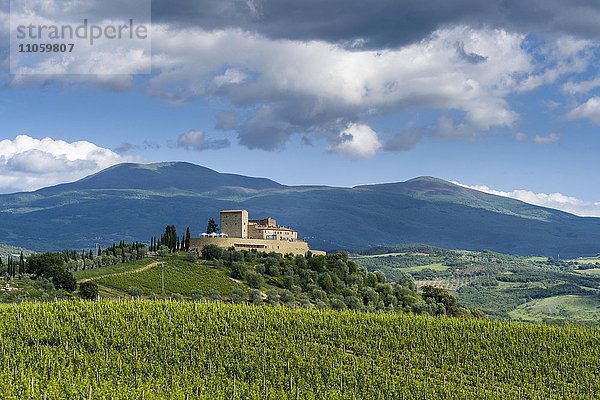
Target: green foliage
[(499, 284), (180, 277), (169, 238), (191, 256), (254, 279), (211, 252), (51, 266), (40, 289), (211, 227), (162, 349), (238, 269), (88, 290), (135, 292), (333, 281), (441, 296)]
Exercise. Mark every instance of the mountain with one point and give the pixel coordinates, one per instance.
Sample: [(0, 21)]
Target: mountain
[(136, 201)]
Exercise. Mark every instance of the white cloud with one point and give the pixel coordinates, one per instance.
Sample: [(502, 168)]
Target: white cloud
[(557, 201), (320, 88), (550, 138), (581, 87), (285, 87), (27, 163), (231, 76), (588, 110), (564, 55), (357, 141)]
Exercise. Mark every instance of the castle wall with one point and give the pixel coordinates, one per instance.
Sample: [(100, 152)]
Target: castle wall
[(278, 246)]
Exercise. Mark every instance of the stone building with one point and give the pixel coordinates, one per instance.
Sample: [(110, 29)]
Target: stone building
[(260, 234)]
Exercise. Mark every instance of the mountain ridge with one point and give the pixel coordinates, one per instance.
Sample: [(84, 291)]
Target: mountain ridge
[(135, 201)]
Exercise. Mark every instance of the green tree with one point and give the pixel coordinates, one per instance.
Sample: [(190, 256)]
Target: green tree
[(188, 238), (254, 279), (211, 252), (21, 263), (88, 290), (238, 296), (441, 296), (51, 266), (212, 226), (238, 269), (256, 296), (169, 238)]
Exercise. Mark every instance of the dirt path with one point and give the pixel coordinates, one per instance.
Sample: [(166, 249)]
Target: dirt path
[(131, 271)]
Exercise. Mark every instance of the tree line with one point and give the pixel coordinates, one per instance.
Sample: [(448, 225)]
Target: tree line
[(330, 281)]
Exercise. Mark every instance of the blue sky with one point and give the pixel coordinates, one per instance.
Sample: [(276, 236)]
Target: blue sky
[(499, 97)]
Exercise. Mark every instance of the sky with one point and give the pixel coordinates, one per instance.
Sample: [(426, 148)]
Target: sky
[(501, 96)]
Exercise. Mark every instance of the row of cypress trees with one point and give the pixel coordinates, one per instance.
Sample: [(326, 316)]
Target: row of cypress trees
[(171, 240), (13, 267)]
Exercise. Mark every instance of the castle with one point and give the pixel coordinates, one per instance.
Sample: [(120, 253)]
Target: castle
[(263, 235)]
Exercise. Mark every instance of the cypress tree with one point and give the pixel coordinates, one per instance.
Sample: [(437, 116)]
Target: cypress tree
[(188, 237), (21, 263), (123, 255)]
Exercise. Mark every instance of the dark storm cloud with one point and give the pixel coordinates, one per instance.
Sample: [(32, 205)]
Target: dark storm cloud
[(270, 125), (383, 23), (198, 141)]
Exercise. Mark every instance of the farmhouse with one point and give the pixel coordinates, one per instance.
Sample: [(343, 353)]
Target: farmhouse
[(246, 234)]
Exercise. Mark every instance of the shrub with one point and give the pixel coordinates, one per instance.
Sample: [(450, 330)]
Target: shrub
[(191, 256), (211, 252), (177, 296), (88, 290), (256, 296), (197, 295), (272, 297), (254, 279), (135, 291), (238, 269), (214, 295), (238, 296)]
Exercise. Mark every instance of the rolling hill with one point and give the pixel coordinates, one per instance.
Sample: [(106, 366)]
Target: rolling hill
[(136, 201)]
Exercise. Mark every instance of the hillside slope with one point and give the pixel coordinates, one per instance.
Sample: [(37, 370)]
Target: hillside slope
[(157, 349), (134, 201)]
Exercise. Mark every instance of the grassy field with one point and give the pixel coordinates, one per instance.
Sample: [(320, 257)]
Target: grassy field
[(113, 269), (435, 267), (586, 260), (536, 258), (591, 271), (569, 307), (181, 277), (174, 350)]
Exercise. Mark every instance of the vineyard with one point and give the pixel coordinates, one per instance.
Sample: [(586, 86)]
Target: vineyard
[(172, 350)]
